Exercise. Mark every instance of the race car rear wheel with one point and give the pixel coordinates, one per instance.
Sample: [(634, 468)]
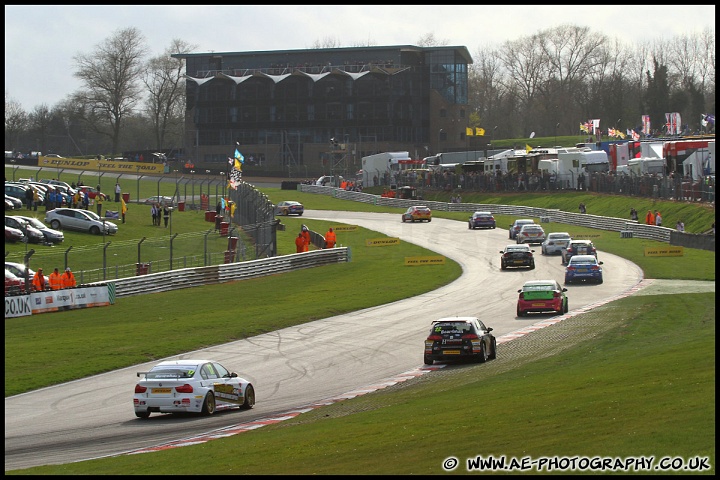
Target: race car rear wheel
[(483, 355), (428, 360), (249, 398), (520, 313), (565, 310), (142, 414), (208, 407), (493, 355)]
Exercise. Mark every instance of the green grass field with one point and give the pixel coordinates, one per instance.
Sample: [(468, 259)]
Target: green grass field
[(635, 377)]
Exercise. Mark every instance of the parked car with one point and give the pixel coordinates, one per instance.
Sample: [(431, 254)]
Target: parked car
[(16, 190), (459, 338), (516, 225), (329, 181), (530, 233), (191, 386), (517, 256), (417, 213), (12, 203), (35, 186), (583, 268), (289, 207), (161, 199), (67, 187), (13, 235), (80, 220), (51, 235), (555, 242), (542, 296), (32, 234), (481, 220), (92, 192), (578, 247), (18, 269), (13, 284)]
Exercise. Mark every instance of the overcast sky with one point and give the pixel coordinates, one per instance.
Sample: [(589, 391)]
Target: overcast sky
[(41, 40)]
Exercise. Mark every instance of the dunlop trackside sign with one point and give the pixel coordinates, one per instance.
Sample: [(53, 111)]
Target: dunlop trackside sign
[(101, 165), (427, 260), (381, 242), (345, 228), (664, 251)]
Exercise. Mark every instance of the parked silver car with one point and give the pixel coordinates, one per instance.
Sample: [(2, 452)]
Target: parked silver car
[(32, 234), (80, 220), (51, 235)]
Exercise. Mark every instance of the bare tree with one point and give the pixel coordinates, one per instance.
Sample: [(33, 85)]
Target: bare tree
[(16, 122), (429, 40), (166, 90), (327, 42), (486, 90), (39, 123), (527, 73), (111, 76)]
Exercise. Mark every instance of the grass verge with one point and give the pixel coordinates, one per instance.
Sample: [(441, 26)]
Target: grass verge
[(633, 378)]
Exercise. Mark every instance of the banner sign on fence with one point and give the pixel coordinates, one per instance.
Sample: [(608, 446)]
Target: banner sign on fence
[(82, 297), (664, 251), (17, 306), (345, 228), (101, 165), (426, 260), (382, 242)]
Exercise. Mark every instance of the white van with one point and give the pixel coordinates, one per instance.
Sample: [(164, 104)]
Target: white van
[(329, 181)]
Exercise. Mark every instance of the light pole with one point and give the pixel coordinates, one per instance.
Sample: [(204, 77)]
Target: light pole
[(440, 132), (556, 128)]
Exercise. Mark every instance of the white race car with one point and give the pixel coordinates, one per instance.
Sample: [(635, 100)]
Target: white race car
[(191, 386)]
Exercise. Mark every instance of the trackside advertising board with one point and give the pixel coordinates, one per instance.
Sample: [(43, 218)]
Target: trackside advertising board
[(55, 300), (664, 251)]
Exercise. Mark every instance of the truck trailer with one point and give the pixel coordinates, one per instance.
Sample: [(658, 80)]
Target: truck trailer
[(381, 168)]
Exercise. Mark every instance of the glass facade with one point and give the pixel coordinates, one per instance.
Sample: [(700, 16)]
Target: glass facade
[(366, 96)]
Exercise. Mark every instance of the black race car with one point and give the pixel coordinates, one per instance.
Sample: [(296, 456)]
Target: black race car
[(517, 256), (456, 338)]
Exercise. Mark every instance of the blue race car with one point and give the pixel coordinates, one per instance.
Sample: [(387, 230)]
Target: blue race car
[(583, 267)]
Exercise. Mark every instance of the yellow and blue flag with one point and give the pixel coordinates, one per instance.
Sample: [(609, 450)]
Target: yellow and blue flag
[(235, 175)]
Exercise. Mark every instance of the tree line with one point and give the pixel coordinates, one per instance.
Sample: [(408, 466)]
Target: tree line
[(547, 83)]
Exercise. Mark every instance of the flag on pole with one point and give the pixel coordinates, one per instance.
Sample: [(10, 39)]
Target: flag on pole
[(645, 124), (469, 131), (235, 175), (527, 148), (480, 132)]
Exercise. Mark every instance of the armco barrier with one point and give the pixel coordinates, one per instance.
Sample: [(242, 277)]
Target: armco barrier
[(214, 274), (638, 230)]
